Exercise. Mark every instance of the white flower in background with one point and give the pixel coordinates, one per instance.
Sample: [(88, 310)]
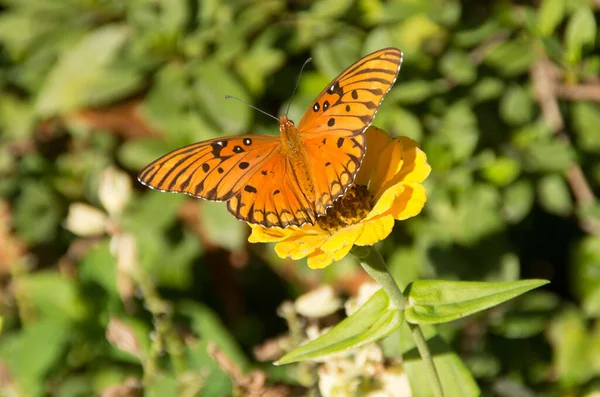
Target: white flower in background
[(318, 303), (114, 191), (365, 291), (85, 220)]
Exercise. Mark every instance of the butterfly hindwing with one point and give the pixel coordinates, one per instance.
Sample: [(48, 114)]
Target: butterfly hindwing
[(347, 106), (273, 197), (334, 163), (213, 169)]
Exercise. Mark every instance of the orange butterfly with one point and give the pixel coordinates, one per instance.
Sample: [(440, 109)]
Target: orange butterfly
[(291, 179)]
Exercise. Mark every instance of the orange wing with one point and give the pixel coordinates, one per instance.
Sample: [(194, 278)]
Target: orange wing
[(347, 106), (214, 170), (334, 124), (247, 171)]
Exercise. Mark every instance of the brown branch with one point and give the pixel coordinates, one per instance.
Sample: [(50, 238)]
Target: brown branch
[(251, 385), (580, 92), (544, 76)]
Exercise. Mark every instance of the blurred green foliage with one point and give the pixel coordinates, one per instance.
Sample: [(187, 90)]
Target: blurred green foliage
[(503, 96)]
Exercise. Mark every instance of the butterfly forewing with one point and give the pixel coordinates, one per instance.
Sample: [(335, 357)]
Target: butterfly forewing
[(347, 106), (214, 169)]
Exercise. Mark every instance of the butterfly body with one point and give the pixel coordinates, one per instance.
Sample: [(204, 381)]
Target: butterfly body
[(292, 179)]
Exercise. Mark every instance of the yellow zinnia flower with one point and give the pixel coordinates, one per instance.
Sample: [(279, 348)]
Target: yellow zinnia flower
[(387, 188)]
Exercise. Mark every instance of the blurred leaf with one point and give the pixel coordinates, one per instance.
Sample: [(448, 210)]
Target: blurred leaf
[(580, 33), (209, 327), (591, 304), (526, 316), (550, 15), (213, 82), (518, 201), (331, 57), (554, 195), (373, 321), (163, 386), (516, 105), (454, 375), (586, 116), (459, 129), (511, 57), (32, 352), (487, 88), (433, 301), (52, 296), (99, 266), (221, 226), (413, 91), (37, 213), (472, 37), (549, 156), (457, 66), (585, 270), (501, 171), (330, 8), (571, 350), (71, 82)]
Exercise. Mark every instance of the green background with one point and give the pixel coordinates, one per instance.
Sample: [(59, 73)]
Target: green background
[(503, 96)]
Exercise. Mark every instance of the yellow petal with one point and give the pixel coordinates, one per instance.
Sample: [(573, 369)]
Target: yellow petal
[(386, 200), (301, 245), (375, 230), (319, 259), (389, 164), (410, 202), (377, 139), (269, 235), (342, 238), (415, 167)]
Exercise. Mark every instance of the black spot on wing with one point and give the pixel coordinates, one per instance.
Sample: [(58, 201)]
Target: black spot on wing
[(340, 142), (243, 165), (250, 189)]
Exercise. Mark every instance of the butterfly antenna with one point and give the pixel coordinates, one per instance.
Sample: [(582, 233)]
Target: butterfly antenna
[(297, 81), (253, 107)]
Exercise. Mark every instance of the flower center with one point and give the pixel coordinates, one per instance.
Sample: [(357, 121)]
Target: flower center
[(348, 210)]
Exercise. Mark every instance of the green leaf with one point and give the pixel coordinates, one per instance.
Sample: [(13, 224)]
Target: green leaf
[(549, 156), (52, 295), (518, 201), (37, 213), (32, 352), (221, 226), (502, 171), (333, 56), (586, 117), (373, 321), (213, 82), (585, 269), (554, 195), (512, 57), (516, 105), (71, 81), (457, 65), (550, 15), (572, 353), (580, 33), (433, 301), (454, 375), (487, 88), (414, 91), (210, 328)]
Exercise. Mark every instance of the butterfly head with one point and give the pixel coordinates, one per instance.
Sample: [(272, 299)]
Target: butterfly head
[(285, 124)]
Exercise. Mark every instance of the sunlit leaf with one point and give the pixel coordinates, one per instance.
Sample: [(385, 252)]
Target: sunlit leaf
[(432, 301), (373, 321)]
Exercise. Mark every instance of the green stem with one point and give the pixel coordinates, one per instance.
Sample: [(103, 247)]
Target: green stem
[(370, 259)]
